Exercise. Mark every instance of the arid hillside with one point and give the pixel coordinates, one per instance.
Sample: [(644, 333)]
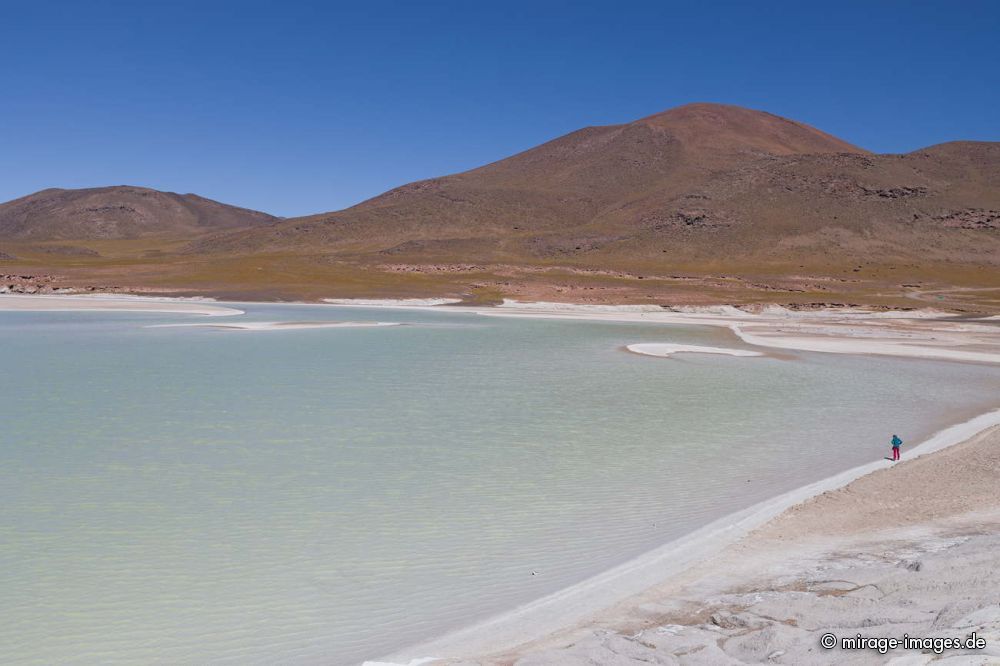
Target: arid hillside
[(598, 185), (702, 183), (120, 212), (704, 203)]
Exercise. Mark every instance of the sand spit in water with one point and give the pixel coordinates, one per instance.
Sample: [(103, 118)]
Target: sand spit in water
[(392, 302), (282, 325), (925, 333), (665, 350), (915, 334), (116, 303)]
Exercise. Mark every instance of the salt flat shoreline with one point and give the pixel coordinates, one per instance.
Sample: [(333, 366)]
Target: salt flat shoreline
[(114, 303), (281, 325), (927, 333), (912, 548), (924, 333), (666, 350), (569, 620), (916, 334)]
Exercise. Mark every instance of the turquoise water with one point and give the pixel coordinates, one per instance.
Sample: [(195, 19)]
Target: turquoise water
[(188, 495)]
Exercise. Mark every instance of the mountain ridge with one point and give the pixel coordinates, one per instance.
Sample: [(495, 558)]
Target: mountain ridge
[(118, 212), (601, 182), (741, 204)]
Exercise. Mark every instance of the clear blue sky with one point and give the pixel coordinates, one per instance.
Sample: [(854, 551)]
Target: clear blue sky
[(300, 107)]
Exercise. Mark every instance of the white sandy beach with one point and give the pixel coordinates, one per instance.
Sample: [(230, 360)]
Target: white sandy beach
[(115, 303), (909, 549), (667, 349), (923, 333), (915, 334), (392, 302), (281, 325), (868, 521)]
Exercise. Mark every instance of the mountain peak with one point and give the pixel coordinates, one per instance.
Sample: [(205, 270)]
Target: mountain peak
[(726, 128)]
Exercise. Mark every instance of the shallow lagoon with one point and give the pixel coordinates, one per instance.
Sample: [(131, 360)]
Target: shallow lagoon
[(184, 495)]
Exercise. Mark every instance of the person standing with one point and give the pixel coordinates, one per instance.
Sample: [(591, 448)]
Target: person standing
[(896, 443)]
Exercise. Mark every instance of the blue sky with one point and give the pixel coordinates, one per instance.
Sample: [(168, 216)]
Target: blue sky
[(300, 107)]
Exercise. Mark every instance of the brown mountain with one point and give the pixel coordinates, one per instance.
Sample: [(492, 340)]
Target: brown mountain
[(592, 178), (702, 182), (121, 212), (702, 203)]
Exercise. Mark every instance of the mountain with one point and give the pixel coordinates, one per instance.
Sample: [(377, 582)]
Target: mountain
[(120, 212), (617, 174), (699, 183), (701, 203)]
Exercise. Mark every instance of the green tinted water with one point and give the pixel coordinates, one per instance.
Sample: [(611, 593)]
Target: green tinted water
[(186, 495)]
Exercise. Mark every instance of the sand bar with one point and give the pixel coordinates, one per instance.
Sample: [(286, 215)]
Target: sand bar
[(665, 350), (281, 325), (926, 334), (392, 302), (115, 303)]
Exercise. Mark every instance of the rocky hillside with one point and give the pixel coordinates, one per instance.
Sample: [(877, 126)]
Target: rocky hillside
[(700, 183), (703, 203), (121, 212)]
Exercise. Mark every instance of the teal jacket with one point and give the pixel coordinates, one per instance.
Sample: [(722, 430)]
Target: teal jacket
[(896, 441)]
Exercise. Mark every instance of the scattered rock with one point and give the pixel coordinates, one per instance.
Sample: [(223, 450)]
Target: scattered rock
[(689, 218), (728, 620), (35, 284), (895, 192), (971, 218)]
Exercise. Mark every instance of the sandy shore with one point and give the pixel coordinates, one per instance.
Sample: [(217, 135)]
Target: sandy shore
[(665, 350), (911, 549), (915, 334), (392, 302), (923, 333), (104, 303), (281, 325), (945, 484)]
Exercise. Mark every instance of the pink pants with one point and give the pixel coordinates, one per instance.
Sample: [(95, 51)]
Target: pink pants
[(895, 453)]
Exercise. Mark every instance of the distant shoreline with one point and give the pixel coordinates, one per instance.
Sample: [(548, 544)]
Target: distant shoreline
[(922, 334), (113, 303), (925, 334)]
